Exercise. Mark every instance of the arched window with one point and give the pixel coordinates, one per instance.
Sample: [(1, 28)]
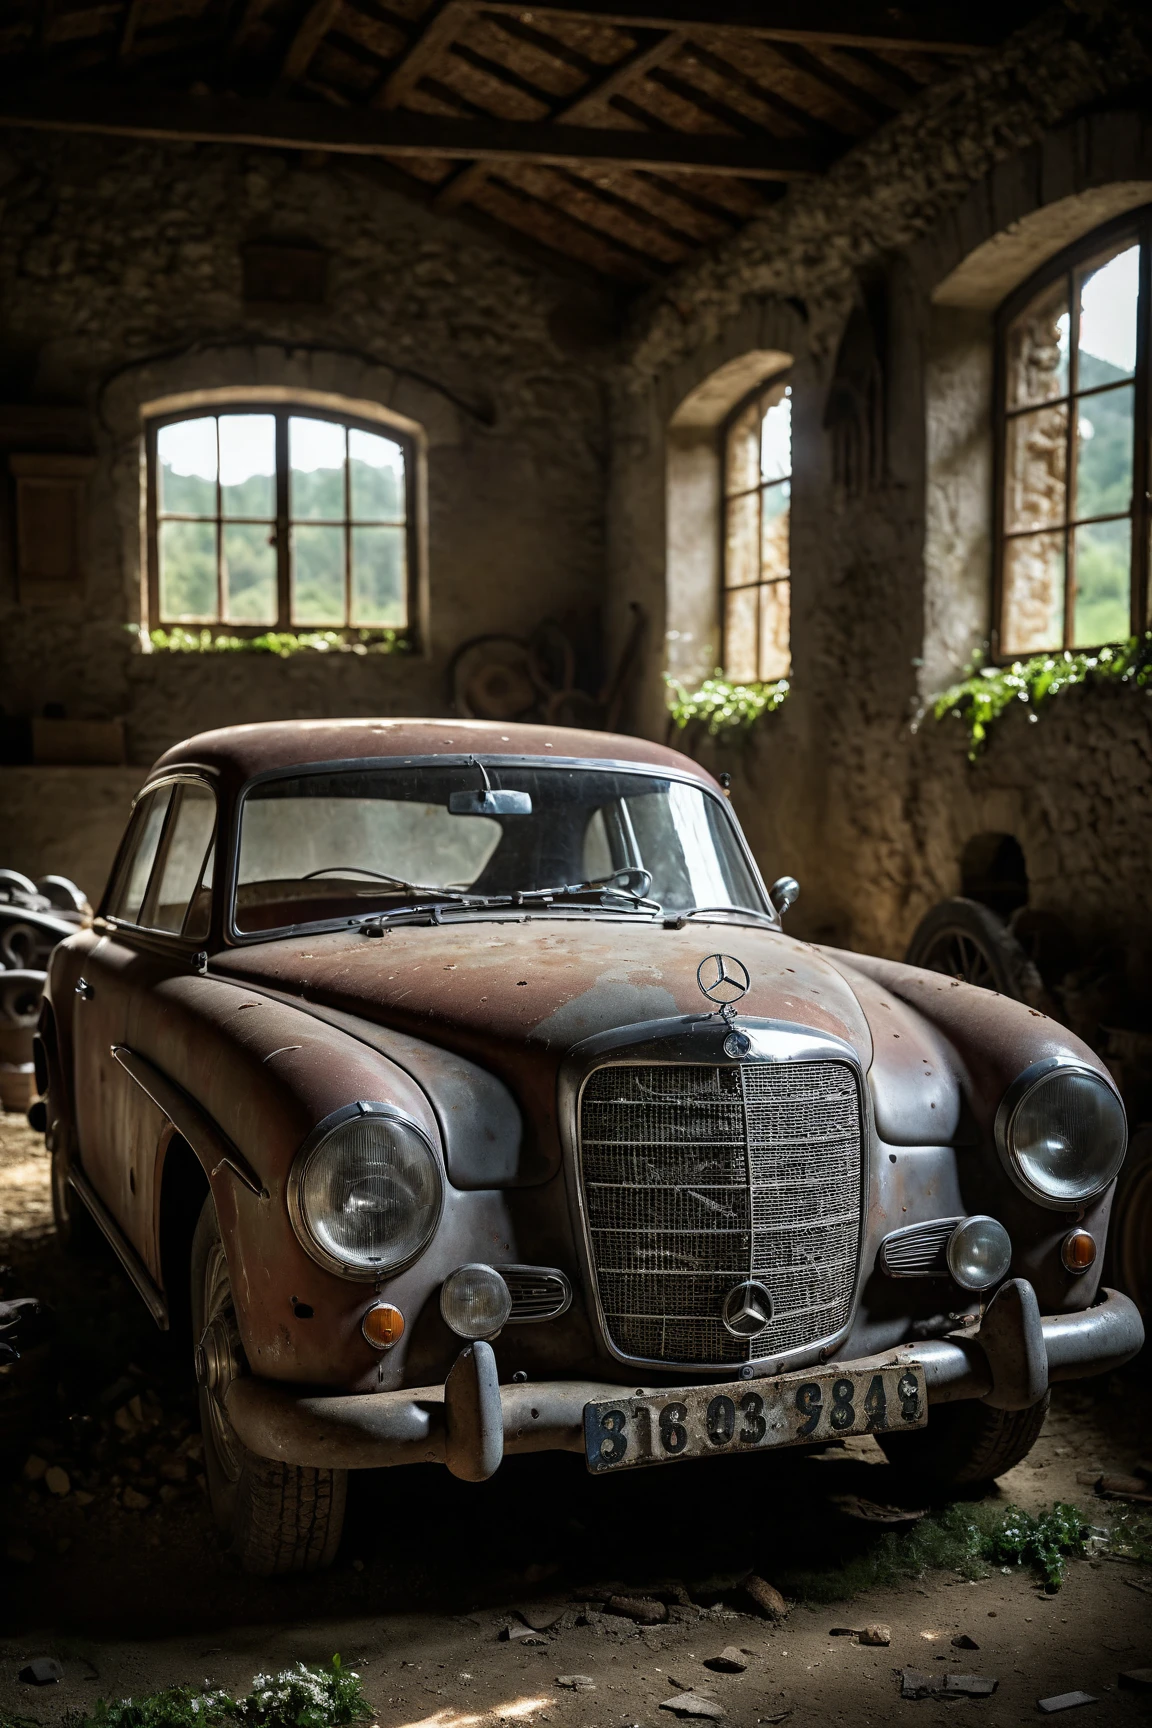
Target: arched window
[(756, 564), (266, 517), (1072, 447)]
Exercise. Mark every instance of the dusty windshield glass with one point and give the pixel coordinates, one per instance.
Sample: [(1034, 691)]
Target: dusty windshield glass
[(326, 847)]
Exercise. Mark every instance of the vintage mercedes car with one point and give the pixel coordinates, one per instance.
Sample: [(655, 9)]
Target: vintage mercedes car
[(458, 1087)]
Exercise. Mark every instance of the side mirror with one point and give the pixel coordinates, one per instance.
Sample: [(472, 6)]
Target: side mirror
[(784, 892), (490, 802)]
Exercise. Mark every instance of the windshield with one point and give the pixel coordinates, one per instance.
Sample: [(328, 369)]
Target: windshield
[(319, 848)]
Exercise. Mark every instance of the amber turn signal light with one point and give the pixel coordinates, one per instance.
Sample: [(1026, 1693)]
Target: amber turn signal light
[(1078, 1251), (383, 1326)]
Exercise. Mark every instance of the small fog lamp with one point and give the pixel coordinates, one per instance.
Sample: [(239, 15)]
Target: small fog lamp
[(979, 1253), (383, 1325), (475, 1301), (1078, 1251)]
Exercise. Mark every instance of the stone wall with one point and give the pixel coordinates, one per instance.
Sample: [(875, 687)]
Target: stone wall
[(938, 218), (120, 284)]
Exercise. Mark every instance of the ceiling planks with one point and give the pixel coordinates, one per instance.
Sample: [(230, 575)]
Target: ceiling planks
[(620, 133)]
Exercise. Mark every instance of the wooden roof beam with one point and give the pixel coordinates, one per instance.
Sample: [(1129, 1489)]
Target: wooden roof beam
[(359, 131), (306, 39), (634, 65), (928, 27), (443, 21)]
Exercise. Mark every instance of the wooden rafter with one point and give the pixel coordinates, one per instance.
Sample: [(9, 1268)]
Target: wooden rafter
[(821, 73), (306, 39), (441, 22), (360, 131), (129, 24), (634, 65), (769, 99)]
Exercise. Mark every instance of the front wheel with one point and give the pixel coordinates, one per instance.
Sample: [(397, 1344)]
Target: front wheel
[(271, 1517), (964, 1444)]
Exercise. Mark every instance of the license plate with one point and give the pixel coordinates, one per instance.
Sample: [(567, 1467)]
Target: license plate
[(789, 1410)]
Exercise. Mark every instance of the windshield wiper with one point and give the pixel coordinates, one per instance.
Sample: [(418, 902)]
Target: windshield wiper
[(677, 920), (425, 889), (633, 889)]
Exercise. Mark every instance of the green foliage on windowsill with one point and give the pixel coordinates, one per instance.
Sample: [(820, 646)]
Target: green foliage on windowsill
[(985, 693), (724, 707), (283, 643)]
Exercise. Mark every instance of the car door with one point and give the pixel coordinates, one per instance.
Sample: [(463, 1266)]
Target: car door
[(157, 912)]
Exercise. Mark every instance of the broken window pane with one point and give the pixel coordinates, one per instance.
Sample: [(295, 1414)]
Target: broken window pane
[(776, 435), (318, 576), (1102, 607), (379, 576), (1037, 349), (316, 452), (250, 588), (1033, 602), (1104, 426), (775, 650), (188, 572), (187, 456), (376, 473), (248, 465), (741, 660), (1036, 457)]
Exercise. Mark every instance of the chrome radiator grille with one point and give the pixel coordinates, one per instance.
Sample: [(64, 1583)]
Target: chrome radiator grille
[(696, 1177)]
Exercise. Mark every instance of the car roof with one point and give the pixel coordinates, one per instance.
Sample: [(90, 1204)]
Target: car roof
[(237, 753)]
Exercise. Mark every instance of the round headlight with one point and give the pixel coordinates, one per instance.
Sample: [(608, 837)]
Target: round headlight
[(1062, 1133), (365, 1192), (475, 1301), (979, 1253)]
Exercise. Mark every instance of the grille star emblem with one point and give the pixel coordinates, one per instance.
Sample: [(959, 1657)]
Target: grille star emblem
[(747, 1309)]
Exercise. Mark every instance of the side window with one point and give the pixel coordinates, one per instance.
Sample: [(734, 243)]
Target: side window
[(180, 901), (127, 897)]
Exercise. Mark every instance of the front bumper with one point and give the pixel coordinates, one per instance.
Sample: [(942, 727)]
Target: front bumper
[(472, 1421)]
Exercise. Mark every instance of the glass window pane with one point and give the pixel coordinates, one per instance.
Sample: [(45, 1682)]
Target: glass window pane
[(742, 541), (249, 573), (1037, 349), (742, 456), (1104, 452), (147, 822), (376, 474), (776, 434), (775, 650), (1102, 608), (316, 450), (775, 552), (188, 572), (1036, 456), (186, 452), (740, 660), (248, 465), (187, 848), (1109, 289), (379, 576), (1033, 610), (318, 576)]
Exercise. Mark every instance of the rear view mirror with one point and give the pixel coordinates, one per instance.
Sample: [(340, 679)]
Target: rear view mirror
[(489, 802)]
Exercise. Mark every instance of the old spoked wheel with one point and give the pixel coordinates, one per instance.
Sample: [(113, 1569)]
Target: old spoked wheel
[(966, 940), (272, 1517)]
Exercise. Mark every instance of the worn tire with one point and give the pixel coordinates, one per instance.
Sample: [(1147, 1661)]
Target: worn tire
[(271, 1517), (1129, 1262), (966, 940), (965, 1443)]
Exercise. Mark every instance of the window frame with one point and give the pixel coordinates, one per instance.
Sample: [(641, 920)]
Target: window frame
[(150, 932), (282, 412), (784, 376), (1138, 225)]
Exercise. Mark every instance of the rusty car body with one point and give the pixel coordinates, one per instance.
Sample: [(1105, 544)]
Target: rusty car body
[(459, 1086)]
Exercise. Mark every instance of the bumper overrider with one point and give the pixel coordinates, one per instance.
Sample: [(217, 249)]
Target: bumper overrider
[(472, 1421)]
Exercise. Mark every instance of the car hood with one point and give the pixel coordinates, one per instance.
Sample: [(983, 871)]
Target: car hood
[(491, 987)]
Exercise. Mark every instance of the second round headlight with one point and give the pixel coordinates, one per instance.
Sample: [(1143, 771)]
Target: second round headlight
[(365, 1197), (979, 1253), (1062, 1133), (475, 1301)]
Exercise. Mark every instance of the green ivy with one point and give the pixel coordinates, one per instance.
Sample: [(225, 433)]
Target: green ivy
[(177, 640), (723, 706), (1043, 1542), (300, 1697), (985, 693)]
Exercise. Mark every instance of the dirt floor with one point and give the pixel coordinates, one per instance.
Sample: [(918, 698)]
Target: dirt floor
[(112, 1567)]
